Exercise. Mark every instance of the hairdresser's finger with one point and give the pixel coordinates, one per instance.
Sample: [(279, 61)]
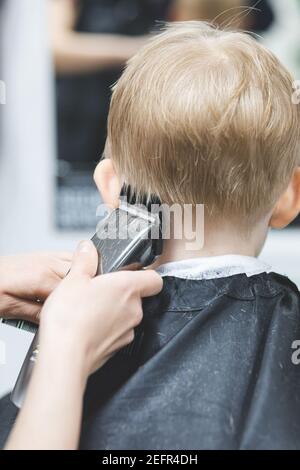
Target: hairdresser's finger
[(85, 260), (62, 269), (57, 255), (49, 283), (63, 255), (147, 282), (22, 309)]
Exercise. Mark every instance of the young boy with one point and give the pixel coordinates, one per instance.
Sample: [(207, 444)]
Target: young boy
[(203, 116)]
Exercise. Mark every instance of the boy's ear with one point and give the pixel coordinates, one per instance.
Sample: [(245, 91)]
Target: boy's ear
[(108, 183), (288, 206)]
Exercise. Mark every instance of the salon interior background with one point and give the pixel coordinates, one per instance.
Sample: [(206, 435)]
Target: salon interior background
[(47, 198)]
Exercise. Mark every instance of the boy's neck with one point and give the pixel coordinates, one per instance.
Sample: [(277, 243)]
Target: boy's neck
[(219, 240)]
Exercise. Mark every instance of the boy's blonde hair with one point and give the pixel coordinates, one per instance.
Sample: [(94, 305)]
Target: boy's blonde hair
[(202, 115)]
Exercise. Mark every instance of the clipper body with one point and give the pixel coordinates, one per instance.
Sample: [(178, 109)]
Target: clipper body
[(128, 238)]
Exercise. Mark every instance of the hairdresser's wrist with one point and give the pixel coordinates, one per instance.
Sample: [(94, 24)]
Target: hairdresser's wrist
[(62, 352), (54, 396)]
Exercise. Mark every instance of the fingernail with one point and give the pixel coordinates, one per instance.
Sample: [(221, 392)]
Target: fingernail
[(84, 246)]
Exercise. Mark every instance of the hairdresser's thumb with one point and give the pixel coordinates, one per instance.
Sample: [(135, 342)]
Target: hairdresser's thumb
[(85, 260)]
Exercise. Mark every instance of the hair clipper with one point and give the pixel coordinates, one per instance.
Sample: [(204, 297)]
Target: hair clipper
[(128, 238)]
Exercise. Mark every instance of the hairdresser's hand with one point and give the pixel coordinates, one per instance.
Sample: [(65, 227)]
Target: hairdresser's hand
[(83, 322), (87, 319), (27, 280)]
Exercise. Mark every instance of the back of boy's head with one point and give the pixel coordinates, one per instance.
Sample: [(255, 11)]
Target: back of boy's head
[(206, 116)]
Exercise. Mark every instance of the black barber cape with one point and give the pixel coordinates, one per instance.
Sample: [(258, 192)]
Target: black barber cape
[(212, 368)]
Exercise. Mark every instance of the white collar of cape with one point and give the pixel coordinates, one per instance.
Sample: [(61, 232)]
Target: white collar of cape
[(214, 267)]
